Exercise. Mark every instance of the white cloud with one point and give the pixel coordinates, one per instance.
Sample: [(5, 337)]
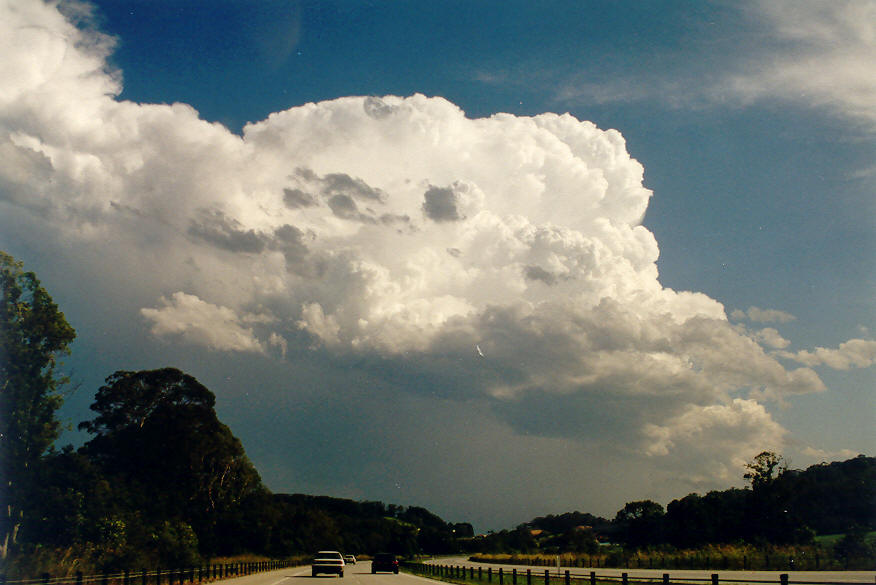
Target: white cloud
[(854, 353), (728, 434), (820, 455), (770, 337), (762, 315), (202, 323), (278, 341), (817, 54), (390, 231), (826, 56)]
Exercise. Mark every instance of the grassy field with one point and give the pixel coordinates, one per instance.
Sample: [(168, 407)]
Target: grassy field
[(818, 556)]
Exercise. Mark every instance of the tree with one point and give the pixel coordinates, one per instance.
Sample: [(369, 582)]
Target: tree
[(764, 469), (771, 514), (33, 336), (157, 434), (641, 523)]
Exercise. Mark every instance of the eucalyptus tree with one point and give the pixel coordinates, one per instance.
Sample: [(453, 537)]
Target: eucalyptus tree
[(34, 335), (156, 434)]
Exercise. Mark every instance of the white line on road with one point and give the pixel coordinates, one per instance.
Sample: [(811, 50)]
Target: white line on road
[(289, 577)]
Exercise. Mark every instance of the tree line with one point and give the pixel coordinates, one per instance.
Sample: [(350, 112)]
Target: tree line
[(162, 481), (780, 507)]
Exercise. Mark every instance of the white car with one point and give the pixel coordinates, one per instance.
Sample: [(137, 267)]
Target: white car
[(328, 561), (350, 559)]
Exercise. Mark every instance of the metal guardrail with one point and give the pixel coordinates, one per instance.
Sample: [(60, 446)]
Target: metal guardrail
[(174, 576), (529, 577)]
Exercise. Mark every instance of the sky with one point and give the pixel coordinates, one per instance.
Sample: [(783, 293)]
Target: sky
[(496, 259)]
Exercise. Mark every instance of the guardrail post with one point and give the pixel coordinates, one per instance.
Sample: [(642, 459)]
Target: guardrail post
[(501, 577), (489, 574), (528, 576), (547, 577), (78, 578), (592, 577), (568, 578), (46, 578), (783, 578), (514, 576), (665, 578), (480, 575), (105, 578), (625, 578), (714, 578), (127, 577)]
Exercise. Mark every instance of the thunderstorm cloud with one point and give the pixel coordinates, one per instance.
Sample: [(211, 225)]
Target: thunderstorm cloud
[(390, 236)]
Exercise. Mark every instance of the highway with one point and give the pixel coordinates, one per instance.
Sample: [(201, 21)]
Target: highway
[(695, 576), (358, 574)]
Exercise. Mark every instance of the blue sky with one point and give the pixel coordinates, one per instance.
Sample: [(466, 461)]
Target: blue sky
[(362, 227)]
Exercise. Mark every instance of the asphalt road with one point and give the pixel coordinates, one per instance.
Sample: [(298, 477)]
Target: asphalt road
[(358, 574), (681, 574)]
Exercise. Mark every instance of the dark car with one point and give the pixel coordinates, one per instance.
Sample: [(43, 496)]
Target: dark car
[(384, 562)]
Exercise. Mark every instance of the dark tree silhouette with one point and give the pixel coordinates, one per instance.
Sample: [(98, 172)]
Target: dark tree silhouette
[(156, 432)]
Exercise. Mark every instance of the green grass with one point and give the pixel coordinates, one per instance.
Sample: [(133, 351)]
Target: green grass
[(832, 539)]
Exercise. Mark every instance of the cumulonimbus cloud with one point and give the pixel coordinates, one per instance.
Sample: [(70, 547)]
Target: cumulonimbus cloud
[(393, 228)]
